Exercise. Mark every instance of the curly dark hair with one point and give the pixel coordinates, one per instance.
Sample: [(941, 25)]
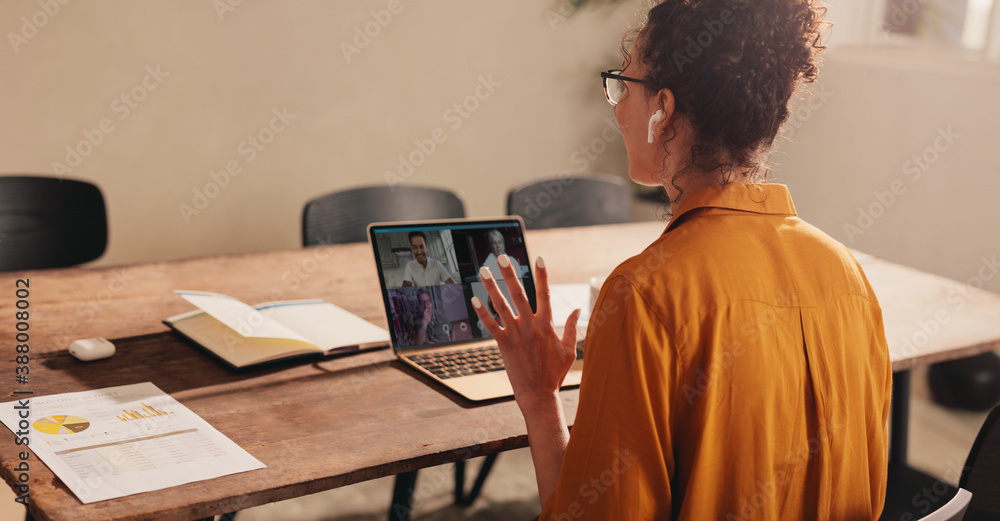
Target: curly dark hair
[(732, 66)]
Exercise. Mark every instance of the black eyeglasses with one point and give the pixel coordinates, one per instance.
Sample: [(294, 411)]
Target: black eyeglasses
[(615, 89)]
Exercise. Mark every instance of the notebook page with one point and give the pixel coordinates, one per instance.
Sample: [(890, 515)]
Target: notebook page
[(324, 324), (238, 316)]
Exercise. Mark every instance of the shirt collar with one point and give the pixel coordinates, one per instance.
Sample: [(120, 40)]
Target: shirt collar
[(760, 198)]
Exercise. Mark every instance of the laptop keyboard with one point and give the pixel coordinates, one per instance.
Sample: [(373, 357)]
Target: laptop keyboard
[(467, 362)]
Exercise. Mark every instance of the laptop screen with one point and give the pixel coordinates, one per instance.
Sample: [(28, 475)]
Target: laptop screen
[(429, 272)]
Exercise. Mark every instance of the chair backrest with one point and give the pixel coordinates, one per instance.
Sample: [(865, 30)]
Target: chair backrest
[(571, 199), (342, 217), (47, 222), (953, 510), (981, 474)]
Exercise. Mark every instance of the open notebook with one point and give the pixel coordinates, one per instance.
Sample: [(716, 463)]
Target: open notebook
[(243, 335)]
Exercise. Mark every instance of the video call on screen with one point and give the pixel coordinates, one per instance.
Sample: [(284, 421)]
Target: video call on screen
[(431, 274)]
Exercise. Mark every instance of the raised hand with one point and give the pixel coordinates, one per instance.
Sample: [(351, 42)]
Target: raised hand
[(536, 359)]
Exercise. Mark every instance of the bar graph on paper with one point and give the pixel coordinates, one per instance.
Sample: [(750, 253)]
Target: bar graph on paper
[(145, 413)]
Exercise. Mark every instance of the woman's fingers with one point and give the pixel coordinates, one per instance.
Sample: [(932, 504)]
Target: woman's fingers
[(484, 316), (569, 335), (496, 296), (519, 300), (542, 296), (526, 325)]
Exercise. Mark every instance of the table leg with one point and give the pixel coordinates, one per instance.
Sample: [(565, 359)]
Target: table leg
[(910, 493), (900, 420), (402, 496), (460, 497), (459, 481)]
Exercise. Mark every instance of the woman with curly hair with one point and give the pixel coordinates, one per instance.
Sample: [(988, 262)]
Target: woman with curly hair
[(737, 368)]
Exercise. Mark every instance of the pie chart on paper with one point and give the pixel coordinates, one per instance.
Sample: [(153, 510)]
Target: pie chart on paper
[(61, 424)]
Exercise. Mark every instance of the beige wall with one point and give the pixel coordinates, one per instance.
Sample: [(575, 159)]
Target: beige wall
[(851, 167), (527, 77), (878, 103), (224, 75)]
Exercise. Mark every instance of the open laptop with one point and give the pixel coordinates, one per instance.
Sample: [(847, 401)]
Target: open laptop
[(429, 272)]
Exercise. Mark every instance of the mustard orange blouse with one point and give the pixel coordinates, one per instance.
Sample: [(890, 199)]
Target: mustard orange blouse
[(736, 369)]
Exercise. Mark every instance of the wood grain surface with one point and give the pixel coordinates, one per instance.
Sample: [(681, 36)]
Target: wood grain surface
[(324, 423)]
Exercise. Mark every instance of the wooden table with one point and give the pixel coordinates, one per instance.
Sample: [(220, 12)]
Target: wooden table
[(324, 424)]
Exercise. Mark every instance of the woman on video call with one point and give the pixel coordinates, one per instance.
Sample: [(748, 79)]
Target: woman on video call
[(737, 368)]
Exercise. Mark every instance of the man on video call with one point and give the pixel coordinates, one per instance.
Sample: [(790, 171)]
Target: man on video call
[(422, 270), (427, 325)]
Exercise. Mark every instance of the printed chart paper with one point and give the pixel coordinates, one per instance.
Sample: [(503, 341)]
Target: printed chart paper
[(124, 440)]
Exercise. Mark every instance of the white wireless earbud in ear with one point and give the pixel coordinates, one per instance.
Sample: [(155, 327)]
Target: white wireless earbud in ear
[(653, 120)]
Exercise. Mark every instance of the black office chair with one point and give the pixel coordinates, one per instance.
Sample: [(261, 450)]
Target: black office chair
[(47, 222), (981, 473), (971, 383), (342, 217), (571, 199)]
